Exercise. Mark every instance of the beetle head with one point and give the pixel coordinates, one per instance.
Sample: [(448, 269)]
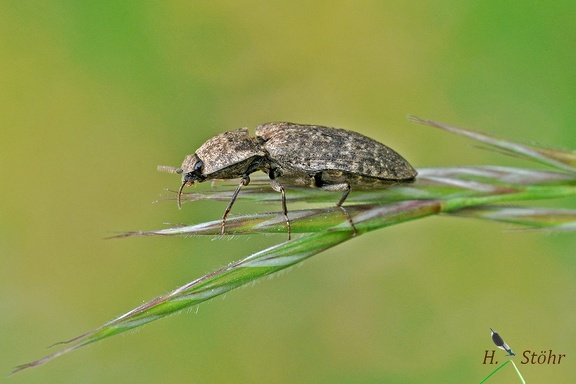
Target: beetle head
[(191, 173)]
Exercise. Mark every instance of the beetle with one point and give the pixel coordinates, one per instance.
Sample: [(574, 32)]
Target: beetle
[(331, 159)]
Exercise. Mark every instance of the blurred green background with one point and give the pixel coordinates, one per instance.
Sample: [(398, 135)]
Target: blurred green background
[(94, 95)]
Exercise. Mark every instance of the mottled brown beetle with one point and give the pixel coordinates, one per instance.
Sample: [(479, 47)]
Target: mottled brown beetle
[(331, 159)]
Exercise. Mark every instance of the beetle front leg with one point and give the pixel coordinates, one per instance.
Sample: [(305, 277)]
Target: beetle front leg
[(244, 181)]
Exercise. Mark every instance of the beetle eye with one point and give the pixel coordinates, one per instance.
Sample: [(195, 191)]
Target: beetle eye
[(198, 165)]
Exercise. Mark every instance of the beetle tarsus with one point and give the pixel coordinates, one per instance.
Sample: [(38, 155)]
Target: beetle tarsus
[(355, 231)]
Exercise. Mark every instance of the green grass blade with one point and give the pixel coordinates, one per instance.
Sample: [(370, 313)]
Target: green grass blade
[(518, 372), (537, 218), (431, 183), (557, 158), (235, 275), (447, 190), (207, 287), (494, 371), (502, 366)]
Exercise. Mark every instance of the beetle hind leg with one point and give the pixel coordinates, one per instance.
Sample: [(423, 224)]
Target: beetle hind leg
[(331, 186), (337, 187)]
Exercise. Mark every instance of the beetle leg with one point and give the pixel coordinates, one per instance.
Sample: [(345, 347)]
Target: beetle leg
[(349, 219), (345, 187), (244, 181), (279, 188)]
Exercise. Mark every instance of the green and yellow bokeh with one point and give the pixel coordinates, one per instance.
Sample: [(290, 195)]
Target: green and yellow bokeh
[(95, 95)]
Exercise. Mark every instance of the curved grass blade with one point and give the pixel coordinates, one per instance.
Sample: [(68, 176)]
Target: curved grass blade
[(494, 371), (557, 158), (432, 183), (456, 188), (209, 286), (518, 372), (245, 271), (537, 218)]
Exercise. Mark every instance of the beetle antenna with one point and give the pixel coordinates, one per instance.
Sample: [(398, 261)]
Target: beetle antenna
[(167, 169)]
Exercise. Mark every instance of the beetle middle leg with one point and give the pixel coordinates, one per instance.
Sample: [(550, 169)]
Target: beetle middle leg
[(279, 188), (243, 182)]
